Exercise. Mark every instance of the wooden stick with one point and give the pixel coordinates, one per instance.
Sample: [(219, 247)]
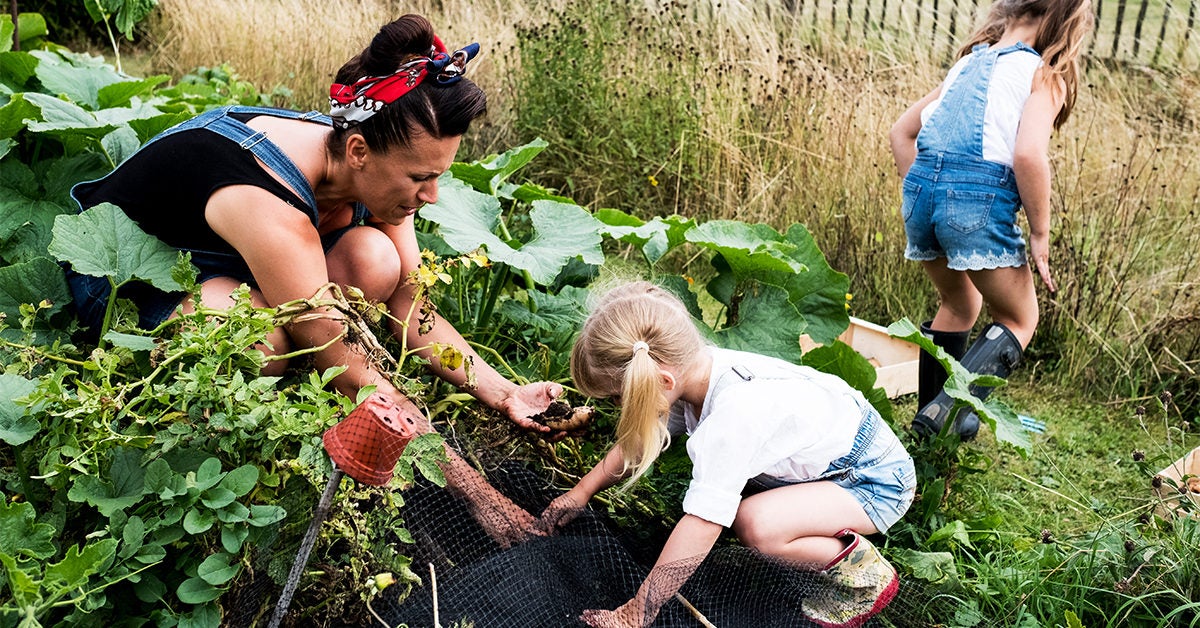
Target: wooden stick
[(433, 585), (694, 611)]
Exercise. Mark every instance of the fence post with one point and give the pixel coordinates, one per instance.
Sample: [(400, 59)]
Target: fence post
[(953, 22), (1187, 34), (934, 29), (1137, 29), (1117, 29), (1162, 33)]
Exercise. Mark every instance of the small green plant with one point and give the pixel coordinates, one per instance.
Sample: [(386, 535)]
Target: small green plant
[(124, 15)]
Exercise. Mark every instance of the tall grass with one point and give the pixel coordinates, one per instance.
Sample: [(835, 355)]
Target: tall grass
[(740, 109)]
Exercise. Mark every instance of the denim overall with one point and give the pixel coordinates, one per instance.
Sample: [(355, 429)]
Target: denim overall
[(91, 293), (878, 471), (956, 204)]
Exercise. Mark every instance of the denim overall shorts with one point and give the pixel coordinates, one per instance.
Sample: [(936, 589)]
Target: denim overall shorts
[(878, 472), (956, 204), (91, 294)]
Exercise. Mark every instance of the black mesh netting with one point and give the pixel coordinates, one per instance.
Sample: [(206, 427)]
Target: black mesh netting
[(549, 581), (479, 570)]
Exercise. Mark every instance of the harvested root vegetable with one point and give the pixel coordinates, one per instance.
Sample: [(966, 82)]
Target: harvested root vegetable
[(561, 416)]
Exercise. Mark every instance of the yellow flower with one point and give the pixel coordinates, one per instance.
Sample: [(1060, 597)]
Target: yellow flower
[(653, 181)]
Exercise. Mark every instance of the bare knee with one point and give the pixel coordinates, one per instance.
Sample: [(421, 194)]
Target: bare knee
[(277, 343), (365, 258), (217, 294), (757, 534)]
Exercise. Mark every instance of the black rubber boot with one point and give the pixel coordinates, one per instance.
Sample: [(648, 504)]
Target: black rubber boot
[(931, 375), (996, 352)]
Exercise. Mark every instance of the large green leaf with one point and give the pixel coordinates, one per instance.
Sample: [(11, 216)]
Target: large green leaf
[(767, 324), (32, 282), (17, 425), (488, 175), (218, 569), (561, 231), (1003, 420), (124, 486), (819, 292), (120, 94), (21, 534), (656, 237), (79, 77), (78, 565), (16, 68), (565, 310), (7, 29), (65, 119), (842, 360), (748, 248), (26, 219), (104, 242)]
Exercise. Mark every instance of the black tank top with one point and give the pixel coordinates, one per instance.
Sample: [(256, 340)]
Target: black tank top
[(165, 186)]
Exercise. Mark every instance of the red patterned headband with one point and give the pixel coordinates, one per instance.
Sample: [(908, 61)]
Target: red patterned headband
[(353, 104)]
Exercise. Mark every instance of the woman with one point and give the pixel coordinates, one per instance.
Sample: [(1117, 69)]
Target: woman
[(288, 202)]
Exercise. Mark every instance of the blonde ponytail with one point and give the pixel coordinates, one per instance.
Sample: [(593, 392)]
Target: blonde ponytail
[(633, 332)]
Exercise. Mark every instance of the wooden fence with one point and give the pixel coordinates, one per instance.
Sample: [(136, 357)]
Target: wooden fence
[(1155, 33)]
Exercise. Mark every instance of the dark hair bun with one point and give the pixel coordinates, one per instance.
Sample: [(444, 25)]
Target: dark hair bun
[(409, 36)]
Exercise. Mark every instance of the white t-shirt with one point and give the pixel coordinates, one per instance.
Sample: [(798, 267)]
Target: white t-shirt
[(787, 421), (1011, 84)]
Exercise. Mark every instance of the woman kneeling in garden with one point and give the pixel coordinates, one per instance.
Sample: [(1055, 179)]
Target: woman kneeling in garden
[(288, 202)]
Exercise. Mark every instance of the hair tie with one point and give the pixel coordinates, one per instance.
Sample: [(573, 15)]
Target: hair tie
[(641, 344), (353, 104)]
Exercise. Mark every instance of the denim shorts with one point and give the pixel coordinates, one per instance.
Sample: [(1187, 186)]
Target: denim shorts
[(964, 209), (155, 306), (878, 472)]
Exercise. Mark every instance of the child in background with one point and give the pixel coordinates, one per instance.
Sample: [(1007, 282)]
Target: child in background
[(972, 153), (796, 461)]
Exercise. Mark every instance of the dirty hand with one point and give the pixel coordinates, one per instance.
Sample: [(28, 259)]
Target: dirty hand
[(560, 512), (1039, 250), (628, 615), (505, 522), (528, 400)]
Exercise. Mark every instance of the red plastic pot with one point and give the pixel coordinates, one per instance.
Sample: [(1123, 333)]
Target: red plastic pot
[(367, 443)]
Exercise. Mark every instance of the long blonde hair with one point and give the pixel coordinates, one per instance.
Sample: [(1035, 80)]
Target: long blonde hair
[(1060, 34), (608, 359)]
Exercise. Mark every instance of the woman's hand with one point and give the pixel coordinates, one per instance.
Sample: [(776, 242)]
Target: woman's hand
[(629, 615), (563, 510), (526, 401), (506, 523)]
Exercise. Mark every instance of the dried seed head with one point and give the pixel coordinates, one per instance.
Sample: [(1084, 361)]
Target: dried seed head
[(1047, 537), (1140, 410), (1130, 546), (1144, 518), (1138, 455), (1156, 482)]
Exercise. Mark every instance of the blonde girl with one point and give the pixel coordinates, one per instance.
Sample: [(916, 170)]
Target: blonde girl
[(972, 153), (795, 461)]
